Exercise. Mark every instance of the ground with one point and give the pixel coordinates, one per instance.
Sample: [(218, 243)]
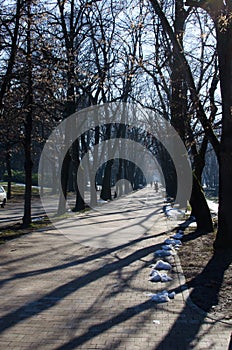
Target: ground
[(208, 276)]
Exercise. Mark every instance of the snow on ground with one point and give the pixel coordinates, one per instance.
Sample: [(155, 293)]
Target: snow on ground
[(212, 206)]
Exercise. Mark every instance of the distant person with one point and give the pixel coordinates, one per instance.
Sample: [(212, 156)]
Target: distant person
[(156, 186)]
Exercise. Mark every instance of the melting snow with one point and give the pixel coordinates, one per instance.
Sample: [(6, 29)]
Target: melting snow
[(156, 276), (162, 265), (162, 297), (172, 241)]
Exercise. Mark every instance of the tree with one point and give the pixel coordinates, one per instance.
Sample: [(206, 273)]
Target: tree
[(221, 146), (70, 25), (10, 16), (180, 121), (181, 109), (28, 118), (221, 13), (10, 25)]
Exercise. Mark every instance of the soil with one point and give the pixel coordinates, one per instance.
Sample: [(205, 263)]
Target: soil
[(208, 275)]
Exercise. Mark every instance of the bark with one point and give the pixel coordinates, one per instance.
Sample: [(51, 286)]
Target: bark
[(179, 120), (64, 184), (28, 126), (200, 208), (9, 173), (121, 133), (106, 185), (224, 46), (70, 29), (80, 185), (178, 84), (169, 172), (93, 182)]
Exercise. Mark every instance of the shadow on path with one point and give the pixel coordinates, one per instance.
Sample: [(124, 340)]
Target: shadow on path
[(50, 299), (207, 284)]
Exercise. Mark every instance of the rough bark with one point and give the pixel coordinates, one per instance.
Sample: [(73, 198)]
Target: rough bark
[(28, 125)]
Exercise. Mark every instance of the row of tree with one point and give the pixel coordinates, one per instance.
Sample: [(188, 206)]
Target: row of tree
[(169, 56)]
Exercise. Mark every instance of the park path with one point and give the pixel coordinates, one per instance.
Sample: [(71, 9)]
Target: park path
[(61, 290)]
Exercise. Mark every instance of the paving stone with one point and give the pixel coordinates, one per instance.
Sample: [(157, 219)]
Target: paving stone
[(59, 294)]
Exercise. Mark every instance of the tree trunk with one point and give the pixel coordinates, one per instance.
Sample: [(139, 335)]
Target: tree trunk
[(119, 176), (64, 184), (221, 13), (70, 109), (200, 207), (9, 173), (80, 203), (28, 180), (179, 120), (106, 185), (224, 47), (178, 83), (178, 103), (93, 182), (28, 126)]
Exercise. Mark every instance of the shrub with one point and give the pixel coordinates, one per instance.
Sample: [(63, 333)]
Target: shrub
[(19, 177)]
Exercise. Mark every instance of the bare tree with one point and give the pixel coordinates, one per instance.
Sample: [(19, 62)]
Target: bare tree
[(221, 13), (10, 25)]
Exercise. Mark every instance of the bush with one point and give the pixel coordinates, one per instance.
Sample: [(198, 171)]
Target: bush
[(19, 177)]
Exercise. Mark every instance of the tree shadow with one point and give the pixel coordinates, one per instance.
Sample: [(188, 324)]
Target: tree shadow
[(190, 233), (207, 285), (52, 298), (102, 327), (193, 234), (205, 289), (101, 253)]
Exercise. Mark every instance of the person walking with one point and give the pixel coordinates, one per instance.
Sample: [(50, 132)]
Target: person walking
[(156, 186)]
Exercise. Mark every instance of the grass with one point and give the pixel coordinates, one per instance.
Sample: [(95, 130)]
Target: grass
[(17, 190), (14, 231)]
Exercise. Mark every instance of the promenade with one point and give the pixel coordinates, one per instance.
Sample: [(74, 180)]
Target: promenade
[(84, 284)]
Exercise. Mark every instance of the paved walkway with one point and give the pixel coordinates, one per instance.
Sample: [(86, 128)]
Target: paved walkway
[(59, 291)]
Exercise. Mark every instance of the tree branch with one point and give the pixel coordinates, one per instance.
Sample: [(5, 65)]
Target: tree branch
[(189, 78)]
